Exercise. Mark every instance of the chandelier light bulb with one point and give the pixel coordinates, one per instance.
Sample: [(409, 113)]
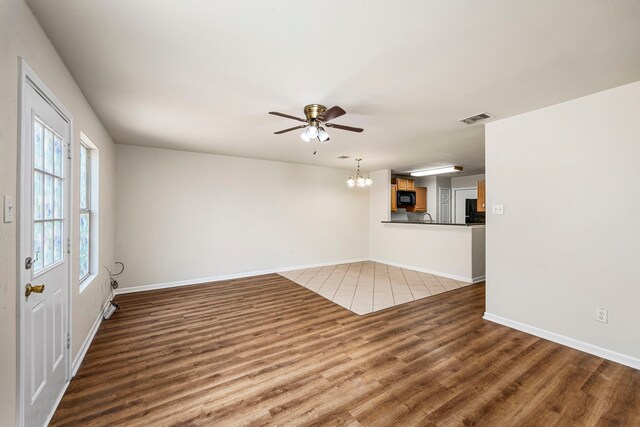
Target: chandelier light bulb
[(359, 180)]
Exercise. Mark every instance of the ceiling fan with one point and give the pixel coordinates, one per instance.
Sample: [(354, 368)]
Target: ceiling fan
[(317, 116)]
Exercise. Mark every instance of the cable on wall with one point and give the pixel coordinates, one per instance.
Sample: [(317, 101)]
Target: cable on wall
[(114, 285)]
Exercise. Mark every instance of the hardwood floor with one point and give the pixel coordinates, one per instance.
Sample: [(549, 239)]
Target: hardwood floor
[(265, 351)]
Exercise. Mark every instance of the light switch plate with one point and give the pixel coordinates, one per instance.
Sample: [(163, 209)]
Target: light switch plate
[(498, 209), (9, 209)]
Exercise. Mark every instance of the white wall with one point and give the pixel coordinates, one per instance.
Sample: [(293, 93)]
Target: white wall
[(187, 216), (22, 36), (552, 258), (466, 181), (432, 201)]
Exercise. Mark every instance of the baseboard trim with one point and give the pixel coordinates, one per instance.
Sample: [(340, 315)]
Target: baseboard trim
[(566, 341), (87, 342), (201, 280), (426, 270)]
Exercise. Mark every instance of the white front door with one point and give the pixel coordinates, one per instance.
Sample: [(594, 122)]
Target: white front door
[(445, 205), (44, 233)]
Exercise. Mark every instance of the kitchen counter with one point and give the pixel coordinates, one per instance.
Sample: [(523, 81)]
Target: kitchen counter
[(431, 223)]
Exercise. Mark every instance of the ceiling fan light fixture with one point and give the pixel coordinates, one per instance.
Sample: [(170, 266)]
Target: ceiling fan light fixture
[(312, 131), (323, 136), (317, 117)]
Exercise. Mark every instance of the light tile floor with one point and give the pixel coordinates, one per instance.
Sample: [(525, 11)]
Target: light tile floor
[(365, 287)]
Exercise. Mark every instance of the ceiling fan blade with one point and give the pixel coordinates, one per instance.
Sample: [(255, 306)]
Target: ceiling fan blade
[(331, 114), (349, 128), (286, 116), (290, 129)]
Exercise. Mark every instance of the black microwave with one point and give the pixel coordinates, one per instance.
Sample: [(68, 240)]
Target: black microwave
[(406, 198)]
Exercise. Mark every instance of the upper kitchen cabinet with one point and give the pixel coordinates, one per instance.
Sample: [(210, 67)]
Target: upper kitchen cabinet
[(411, 186), (421, 199), (404, 184), (482, 197)]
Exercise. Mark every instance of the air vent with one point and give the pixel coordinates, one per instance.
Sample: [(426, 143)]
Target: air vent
[(473, 119), (343, 157)]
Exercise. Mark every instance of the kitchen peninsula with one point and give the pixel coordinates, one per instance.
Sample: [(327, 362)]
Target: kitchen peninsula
[(456, 251), (449, 250), (398, 221)]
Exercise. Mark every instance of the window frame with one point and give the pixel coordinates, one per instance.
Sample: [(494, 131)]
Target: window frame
[(86, 210)]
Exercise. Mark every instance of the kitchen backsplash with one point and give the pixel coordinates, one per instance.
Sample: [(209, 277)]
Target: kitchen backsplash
[(403, 215)]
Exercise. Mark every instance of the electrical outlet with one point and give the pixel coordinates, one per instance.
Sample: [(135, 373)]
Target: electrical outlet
[(498, 209), (602, 315)]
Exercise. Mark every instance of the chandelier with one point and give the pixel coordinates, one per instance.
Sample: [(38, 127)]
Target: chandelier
[(359, 180)]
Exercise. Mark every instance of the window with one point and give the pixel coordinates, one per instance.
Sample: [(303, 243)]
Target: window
[(85, 211), (48, 215), (89, 157)]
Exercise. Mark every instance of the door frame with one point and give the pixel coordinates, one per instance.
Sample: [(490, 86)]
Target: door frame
[(453, 197), (28, 78)]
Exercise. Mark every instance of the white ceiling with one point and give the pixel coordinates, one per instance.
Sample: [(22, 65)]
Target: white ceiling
[(201, 75)]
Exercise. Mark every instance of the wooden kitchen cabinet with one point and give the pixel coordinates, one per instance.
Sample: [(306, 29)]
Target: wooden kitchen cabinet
[(482, 196), (421, 199), (394, 198), (404, 184), (400, 183)]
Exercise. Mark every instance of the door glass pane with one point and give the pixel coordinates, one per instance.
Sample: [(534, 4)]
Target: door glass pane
[(83, 177), (48, 150), (37, 195), (37, 246), (57, 156), (48, 197), (57, 198), (37, 144), (48, 243), (84, 244), (57, 241)]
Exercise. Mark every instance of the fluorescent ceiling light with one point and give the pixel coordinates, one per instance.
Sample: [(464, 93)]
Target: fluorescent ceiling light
[(437, 171)]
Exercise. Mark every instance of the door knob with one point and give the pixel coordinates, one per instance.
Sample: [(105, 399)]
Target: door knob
[(28, 289)]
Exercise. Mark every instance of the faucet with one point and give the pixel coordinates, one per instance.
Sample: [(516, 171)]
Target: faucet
[(425, 214)]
